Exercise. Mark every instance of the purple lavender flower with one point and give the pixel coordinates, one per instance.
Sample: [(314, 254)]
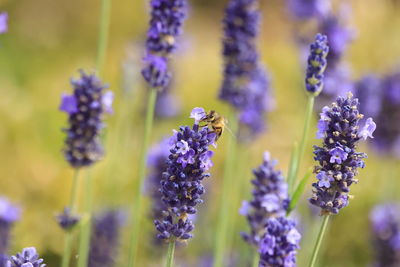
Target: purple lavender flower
[(27, 258), (246, 83), (187, 165), (338, 157), (307, 9), (85, 108), (105, 238), (167, 106), (317, 64), (385, 224), (279, 244), (270, 199), (369, 91), (67, 220), (166, 24), (9, 213), (3, 22)]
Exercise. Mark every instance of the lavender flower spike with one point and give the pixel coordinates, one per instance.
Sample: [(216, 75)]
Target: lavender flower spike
[(105, 239), (181, 185), (27, 258), (278, 246), (85, 108), (317, 64), (338, 158), (246, 83), (67, 220), (8, 215), (3, 22), (385, 224), (270, 199), (166, 23)]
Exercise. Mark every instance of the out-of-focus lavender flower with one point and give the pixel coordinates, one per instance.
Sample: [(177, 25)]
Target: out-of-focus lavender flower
[(3, 22), (385, 224), (307, 9), (338, 159), (67, 220), (166, 25), (337, 81), (27, 258), (316, 64), (85, 108), (246, 83), (270, 199), (167, 105), (181, 185), (9, 213), (105, 238), (278, 246)]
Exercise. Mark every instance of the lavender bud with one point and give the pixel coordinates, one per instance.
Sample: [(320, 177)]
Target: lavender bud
[(305, 9), (27, 258), (317, 64), (9, 214), (3, 22), (85, 108), (105, 238), (385, 224), (166, 25), (278, 246), (181, 184), (270, 199), (338, 158), (246, 83), (67, 220)]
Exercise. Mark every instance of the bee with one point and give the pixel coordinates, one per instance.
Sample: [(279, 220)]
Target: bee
[(215, 121)]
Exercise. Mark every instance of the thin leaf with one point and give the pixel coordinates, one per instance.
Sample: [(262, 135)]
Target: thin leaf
[(292, 166), (299, 191)]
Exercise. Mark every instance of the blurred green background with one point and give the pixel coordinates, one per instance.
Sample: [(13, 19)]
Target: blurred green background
[(48, 41)]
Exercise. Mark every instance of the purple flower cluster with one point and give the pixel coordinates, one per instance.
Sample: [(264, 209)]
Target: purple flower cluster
[(8, 215), (67, 220), (3, 22), (181, 185), (167, 106), (316, 64), (246, 83), (166, 24), (85, 107), (306, 9), (270, 199), (278, 246), (338, 159), (27, 258), (105, 238), (385, 224), (381, 100)]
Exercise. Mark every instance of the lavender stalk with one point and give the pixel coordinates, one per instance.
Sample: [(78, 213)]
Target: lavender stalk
[(166, 25)]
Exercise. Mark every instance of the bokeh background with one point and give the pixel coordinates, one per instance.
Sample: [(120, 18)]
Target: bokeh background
[(49, 41)]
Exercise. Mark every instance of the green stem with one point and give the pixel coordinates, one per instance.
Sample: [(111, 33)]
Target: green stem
[(86, 224), (137, 204), (69, 235), (103, 35), (303, 142), (319, 241), (256, 259), (222, 241), (170, 254)]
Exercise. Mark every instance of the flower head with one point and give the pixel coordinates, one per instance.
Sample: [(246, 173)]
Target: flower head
[(246, 83), (305, 9), (166, 23), (105, 238), (85, 108), (27, 258), (181, 184), (3, 22), (9, 214), (67, 220), (338, 158), (279, 244), (385, 226), (270, 199), (317, 64)]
